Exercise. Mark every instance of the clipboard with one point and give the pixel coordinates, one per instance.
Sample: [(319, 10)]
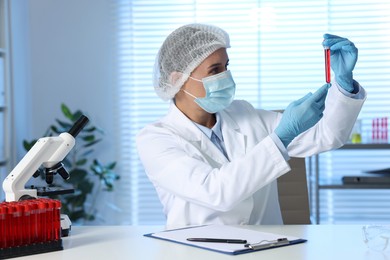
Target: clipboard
[(256, 240)]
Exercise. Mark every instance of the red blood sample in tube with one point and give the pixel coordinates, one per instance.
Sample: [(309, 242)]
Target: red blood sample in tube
[(26, 222), (50, 219), (11, 225), (57, 220), (327, 64), (2, 226), (42, 221), (18, 218), (8, 238), (34, 224)]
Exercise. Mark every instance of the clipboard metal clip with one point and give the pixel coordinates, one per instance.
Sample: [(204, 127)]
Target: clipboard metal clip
[(268, 244)]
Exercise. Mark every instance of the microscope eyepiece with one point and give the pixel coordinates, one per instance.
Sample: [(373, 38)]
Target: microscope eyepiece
[(78, 126)]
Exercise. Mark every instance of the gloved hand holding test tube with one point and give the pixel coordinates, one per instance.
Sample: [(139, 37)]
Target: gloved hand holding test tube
[(342, 58)]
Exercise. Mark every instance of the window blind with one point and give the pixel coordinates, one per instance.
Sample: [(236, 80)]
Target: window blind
[(366, 23), (276, 57)]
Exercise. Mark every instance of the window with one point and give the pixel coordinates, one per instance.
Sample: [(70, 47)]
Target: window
[(276, 57)]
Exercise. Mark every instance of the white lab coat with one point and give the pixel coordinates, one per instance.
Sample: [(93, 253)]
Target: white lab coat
[(198, 185)]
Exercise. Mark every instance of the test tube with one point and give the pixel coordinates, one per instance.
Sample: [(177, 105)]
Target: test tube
[(50, 205), (42, 220), (18, 222), (57, 219), (327, 64), (34, 226), (26, 223), (11, 225), (3, 237)]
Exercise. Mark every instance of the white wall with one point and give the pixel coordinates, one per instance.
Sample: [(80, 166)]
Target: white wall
[(62, 54), (21, 85)]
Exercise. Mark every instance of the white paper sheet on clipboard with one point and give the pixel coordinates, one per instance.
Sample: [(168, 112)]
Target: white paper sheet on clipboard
[(222, 231)]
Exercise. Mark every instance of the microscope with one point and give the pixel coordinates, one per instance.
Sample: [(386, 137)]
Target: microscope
[(48, 152)]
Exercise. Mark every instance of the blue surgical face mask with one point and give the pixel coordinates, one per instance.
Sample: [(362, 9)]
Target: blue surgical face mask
[(220, 89)]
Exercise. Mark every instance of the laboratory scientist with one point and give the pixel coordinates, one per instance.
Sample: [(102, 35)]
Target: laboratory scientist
[(215, 160)]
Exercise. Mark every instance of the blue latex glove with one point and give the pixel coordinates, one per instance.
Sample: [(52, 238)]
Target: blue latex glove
[(343, 57), (301, 115)]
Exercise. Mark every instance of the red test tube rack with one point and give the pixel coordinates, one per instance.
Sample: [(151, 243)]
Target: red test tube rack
[(379, 132), (29, 227)]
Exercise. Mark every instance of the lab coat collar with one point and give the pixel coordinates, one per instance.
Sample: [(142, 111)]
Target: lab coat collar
[(182, 125), (234, 140), (185, 128)]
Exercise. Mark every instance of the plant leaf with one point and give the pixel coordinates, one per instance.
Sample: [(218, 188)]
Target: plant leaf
[(88, 138), (88, 152), (77, 115), (77, 176), (111, 166), (90, 129), (56, 130), (108, 184), (65, 110), (86, 187), (78, 214), (64, 125), (92, 143), (28, 145), (81, 162)]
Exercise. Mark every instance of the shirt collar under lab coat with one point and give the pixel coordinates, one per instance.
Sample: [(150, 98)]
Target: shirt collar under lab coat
[(232, 137), (187, 127), (216, 128)]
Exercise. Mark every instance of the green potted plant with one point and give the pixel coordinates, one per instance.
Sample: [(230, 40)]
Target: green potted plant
[(85, 172)]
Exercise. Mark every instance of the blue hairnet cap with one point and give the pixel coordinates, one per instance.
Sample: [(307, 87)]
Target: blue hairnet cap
[(182, 51)]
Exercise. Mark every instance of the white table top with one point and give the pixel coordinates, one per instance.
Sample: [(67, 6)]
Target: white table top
[(328, 242)]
